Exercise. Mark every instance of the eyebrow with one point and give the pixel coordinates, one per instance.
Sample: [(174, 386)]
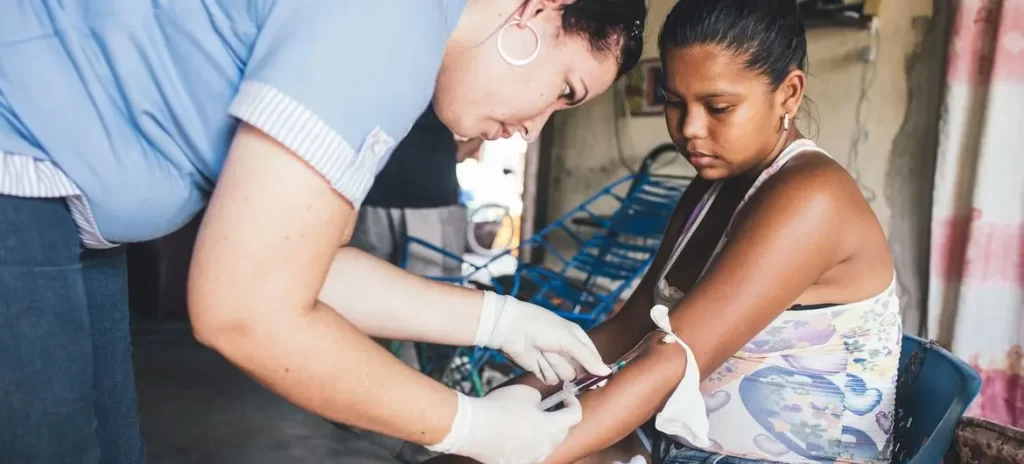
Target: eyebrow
[(703, 96)]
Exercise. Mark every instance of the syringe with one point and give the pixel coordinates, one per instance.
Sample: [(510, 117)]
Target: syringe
[(573, 388)]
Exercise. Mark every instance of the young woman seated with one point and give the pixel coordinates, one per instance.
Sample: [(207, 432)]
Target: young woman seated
[(776, 271)]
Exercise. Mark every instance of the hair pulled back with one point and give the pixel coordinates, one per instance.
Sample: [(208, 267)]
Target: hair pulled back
[(768, 34), (615, 26)]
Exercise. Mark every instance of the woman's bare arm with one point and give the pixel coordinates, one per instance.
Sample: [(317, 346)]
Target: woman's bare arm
[(792, 235), (258, 267), (385, 301)]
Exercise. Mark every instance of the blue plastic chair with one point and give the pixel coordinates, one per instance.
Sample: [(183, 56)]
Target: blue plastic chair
[(933, 391)]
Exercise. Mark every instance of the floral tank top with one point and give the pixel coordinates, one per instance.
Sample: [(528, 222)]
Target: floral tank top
[(816, 385)]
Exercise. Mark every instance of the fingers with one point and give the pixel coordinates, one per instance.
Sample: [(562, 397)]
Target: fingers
[(544, 370), (516, 392), (560, 422), (583, 337), (564, 369), (535, 363), (568, 416), (534, 337), (580, 348)]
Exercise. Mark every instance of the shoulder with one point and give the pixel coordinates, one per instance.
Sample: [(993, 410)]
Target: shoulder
[(810, 184), (377, 19), (339, 83), (812, 201), (343, 59), (371, 43)]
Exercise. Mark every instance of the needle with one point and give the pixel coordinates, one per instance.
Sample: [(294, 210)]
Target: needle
[(572, 388)]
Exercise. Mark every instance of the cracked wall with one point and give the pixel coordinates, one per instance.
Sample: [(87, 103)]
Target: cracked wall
[(909, 178)]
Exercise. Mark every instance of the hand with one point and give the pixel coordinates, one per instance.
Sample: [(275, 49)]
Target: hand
[(537, 340), (508, 427)]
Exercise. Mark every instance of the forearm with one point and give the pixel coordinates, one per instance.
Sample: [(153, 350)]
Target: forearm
[(385, 301), (618, 335), (629, 399), (321, 363), (612, 412)]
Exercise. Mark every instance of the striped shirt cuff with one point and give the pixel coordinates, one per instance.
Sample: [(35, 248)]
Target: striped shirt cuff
[(351, 173)]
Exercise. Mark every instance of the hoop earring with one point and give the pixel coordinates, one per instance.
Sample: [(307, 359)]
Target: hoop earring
[(785, 122), (508, 58)]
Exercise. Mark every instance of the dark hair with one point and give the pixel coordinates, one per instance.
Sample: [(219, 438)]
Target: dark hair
[(609, 26), (768, 33)]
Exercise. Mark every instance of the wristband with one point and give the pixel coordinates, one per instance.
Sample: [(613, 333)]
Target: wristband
[(492, 308)]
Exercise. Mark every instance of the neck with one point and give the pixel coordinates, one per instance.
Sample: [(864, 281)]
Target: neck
[(787, 138), (480, 20)]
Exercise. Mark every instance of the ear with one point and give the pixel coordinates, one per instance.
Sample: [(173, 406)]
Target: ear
[(791, 91), (532, 8)]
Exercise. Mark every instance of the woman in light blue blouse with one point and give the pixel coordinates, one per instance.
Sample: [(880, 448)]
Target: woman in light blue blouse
[(120, 120)]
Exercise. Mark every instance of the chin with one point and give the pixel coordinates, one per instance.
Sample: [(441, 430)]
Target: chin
[(459, 127), (467, 133), (715, 173), (452, 119)]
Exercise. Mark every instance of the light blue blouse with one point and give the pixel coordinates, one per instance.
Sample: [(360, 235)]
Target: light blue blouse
[(127, 107)]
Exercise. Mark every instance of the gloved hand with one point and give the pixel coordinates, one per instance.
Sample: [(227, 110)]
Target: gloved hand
[(537, 339), (508, 427)]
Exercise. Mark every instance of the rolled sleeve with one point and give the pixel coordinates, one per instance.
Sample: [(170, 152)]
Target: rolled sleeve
[(340, 82), (349, 172)]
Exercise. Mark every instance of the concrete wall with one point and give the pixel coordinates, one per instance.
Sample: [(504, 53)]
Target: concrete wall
[(588, 140), (891, 151)]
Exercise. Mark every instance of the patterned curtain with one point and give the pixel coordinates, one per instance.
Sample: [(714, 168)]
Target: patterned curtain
[(976, 283)]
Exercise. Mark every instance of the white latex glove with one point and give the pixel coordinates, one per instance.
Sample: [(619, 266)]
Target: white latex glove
[(537, 339), (508, 427)]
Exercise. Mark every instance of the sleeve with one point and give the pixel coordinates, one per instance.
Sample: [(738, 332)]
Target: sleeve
[(339, 82)]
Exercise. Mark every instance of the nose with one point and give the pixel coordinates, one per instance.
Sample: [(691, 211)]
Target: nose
[(532, 127), (695, 125)]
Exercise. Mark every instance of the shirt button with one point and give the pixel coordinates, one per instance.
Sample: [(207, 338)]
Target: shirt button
[(378, 147)]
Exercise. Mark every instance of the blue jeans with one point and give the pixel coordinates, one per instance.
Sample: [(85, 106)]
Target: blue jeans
[(665, 450), (67, 390), (679, 454)]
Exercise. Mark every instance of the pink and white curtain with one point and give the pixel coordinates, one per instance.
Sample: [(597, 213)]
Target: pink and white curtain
[(976, 286)]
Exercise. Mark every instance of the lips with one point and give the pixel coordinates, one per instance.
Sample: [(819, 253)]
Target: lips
[(502, 132), (698, 159)]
